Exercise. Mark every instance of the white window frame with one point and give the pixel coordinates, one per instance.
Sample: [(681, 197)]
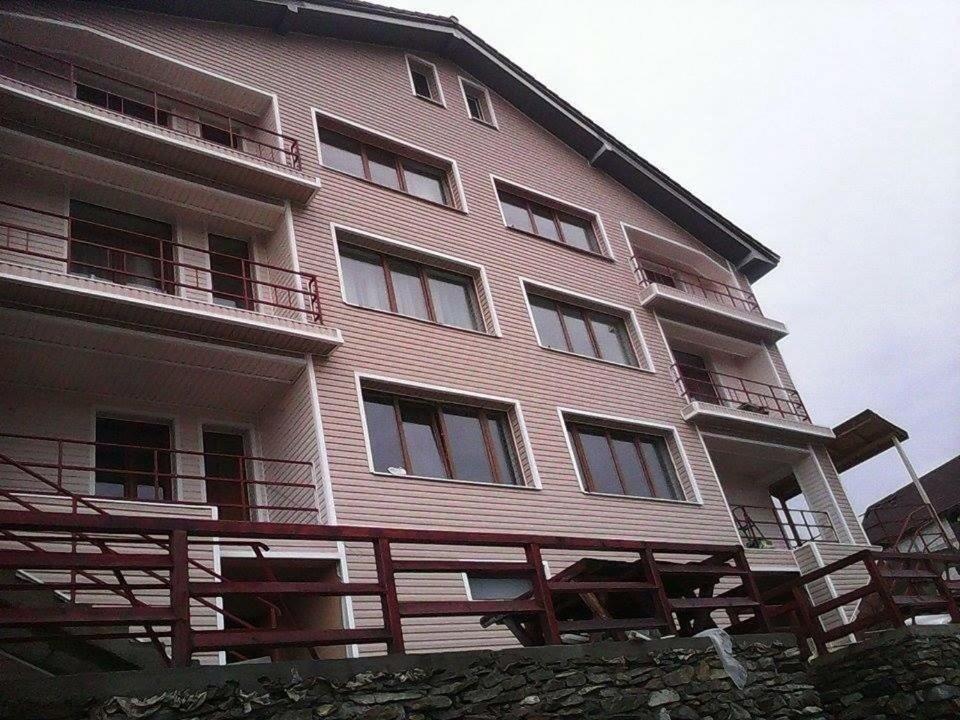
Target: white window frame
[(641, 425), (441, 101), (629, 317), (464, 83)]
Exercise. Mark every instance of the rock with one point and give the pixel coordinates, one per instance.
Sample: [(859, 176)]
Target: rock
[(684, 712), (381, 698), (431, 702), (662, 697), (941, 692), (531, 700), (682, 676)]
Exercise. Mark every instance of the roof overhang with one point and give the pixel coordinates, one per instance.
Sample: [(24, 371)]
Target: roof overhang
[(444, 36), (862, 437)]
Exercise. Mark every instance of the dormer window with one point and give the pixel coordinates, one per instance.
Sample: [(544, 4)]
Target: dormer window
[(424, 80)]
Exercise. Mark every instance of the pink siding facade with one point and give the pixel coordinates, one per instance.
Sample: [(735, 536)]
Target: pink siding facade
[(368, 85)]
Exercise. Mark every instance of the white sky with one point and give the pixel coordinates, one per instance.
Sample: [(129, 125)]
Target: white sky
[(830, 131)]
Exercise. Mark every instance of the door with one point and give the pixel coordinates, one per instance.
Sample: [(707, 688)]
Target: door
[(226, 474), (696, 378), (133, 460), (230, 272)]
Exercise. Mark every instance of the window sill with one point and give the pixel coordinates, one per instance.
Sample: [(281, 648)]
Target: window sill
[(454, 481), (637, 498), (429, 100), (395, 191), (588, 253), (485, 123), (424, 321), (637, 368)]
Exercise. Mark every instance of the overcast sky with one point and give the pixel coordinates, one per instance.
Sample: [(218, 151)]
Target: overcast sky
[(830, 131)]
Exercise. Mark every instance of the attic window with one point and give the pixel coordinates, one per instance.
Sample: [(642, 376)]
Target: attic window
[(424, 80), (478, 103)]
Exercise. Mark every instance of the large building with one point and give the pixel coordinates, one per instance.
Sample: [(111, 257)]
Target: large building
[(333, 264)]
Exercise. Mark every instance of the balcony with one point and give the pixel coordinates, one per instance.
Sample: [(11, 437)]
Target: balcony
[(54, 98), (728, 402), (767, 528), (149, 478), (705, 302), (141, 278)]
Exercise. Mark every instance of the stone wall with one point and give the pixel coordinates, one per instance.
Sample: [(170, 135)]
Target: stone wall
[(662, 680), (908, 673)]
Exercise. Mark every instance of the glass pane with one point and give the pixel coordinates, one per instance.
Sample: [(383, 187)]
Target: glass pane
[(631, 468), (383, 168), (577, 330), (384, 436), (453, 300), (341, 153), (421, 85), (467, 448), (515, 212), (612, 337), (578, 233), (363, 278), (600, 472), (662, 474), (501, 588), (545, 224), (475, 104), (229, 274), (503, 452), (422, 442), (547, 320), (424, 182), (407, 288)]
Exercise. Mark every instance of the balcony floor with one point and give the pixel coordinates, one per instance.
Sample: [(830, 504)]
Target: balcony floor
[(768, 427)]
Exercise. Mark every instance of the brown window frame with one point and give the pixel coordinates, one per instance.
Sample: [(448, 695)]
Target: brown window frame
[(441, 437), (659, 442), (555, 214), (424, 271), (584, 312), (442, 174)]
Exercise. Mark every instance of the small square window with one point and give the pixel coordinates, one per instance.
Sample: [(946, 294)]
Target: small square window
[(479, 106), (424, 80)]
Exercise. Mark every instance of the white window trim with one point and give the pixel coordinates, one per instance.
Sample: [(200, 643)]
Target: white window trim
[(604, 242), (628, 315), (641, 425), (407, 57), (513, 404), (465, 576), (464, 82), (442, 160), (470, 268)]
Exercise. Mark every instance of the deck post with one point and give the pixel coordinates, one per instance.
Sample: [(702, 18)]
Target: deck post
[(180, 599), (541, 591), (389, 603)]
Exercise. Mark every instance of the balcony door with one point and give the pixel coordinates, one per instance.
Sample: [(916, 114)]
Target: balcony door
[(230, 277), (226, 474), (133, 460), (120, 248), (696, 378)]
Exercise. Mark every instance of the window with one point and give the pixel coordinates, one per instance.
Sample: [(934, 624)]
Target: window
[(581, 331), (621, 462), (121, 248), (423, 78), (221, 130), (696, 378), (374, 280), (481, 587), (477, 99), (123, 105), (230, 278), (133, 460), (384, 168), (439, 440), (227, 475), (547, 222)]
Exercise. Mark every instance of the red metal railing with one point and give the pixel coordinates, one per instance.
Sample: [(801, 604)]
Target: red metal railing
[(673, 593), (260, 488), (769, 527), (709, 386), (68, 79), (649, 272), (43, 235), (913, 529)]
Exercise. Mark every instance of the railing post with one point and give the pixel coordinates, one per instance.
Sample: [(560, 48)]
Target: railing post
[(543, 595), (883, 591), (663, 600), (811, 624), (389, 603), (750, 582), (180, 599)]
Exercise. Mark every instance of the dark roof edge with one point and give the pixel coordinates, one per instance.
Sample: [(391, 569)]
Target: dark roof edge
[(446, 36)]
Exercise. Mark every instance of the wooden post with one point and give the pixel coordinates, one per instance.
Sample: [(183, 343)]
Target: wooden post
[(883, 591), (750, 583), (653, 575), (543, 595), (180, 598), (811, 623), (389, 603)]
